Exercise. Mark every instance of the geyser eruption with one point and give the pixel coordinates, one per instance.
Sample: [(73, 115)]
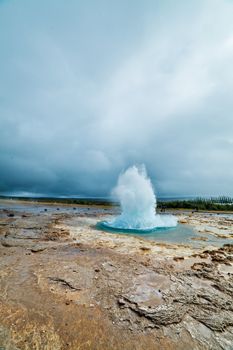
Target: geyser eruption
[(138, 203)]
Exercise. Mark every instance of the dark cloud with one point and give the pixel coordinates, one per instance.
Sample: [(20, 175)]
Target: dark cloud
[(90, 88)]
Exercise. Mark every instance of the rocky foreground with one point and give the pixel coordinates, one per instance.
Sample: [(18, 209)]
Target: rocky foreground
[(65, 285)]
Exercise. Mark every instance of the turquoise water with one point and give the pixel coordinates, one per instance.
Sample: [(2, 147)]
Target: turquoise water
[(181, 234), (105, 226)]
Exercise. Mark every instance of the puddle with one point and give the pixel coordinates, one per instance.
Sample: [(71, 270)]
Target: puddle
[(181, 234)]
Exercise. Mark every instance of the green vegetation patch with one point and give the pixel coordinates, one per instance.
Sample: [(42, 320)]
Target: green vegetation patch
[(219, 204)]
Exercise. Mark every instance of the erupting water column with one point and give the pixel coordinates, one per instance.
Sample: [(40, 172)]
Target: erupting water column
[(138, 203)]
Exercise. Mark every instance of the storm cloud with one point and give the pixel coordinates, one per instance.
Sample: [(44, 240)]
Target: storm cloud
[(88, 88)]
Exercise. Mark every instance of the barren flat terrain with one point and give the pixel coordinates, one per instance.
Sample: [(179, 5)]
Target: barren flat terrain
[(66, 285)]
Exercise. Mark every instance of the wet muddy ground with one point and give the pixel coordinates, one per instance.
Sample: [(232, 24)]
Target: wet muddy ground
[(66, 285)]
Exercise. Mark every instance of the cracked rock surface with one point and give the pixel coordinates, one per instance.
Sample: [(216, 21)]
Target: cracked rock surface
[(65, 285)]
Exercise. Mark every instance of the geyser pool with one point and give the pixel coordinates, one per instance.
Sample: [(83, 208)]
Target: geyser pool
[(135, 193)]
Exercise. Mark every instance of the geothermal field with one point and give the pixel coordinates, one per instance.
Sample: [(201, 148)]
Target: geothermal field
[(115, 277), (116, 175)]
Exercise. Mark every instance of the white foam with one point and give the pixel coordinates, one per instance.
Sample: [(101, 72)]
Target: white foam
[(135, 193)]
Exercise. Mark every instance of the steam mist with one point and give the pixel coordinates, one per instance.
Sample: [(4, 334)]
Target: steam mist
[(138, 203)]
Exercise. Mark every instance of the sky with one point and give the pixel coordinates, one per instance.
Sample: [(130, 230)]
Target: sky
[(89, 88)]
